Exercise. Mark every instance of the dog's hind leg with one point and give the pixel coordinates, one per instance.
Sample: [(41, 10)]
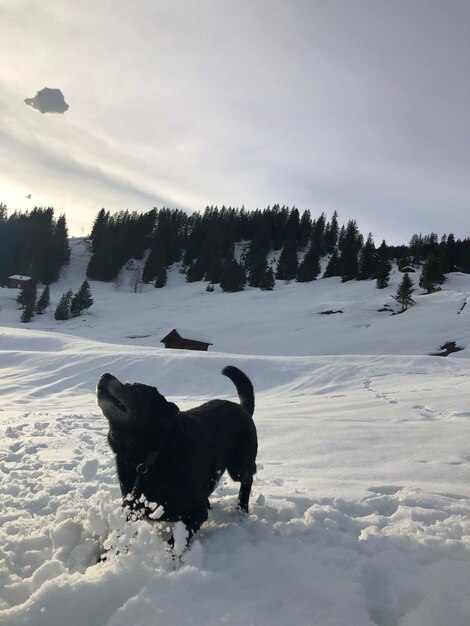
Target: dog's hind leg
[(241, 470), (244, 493)]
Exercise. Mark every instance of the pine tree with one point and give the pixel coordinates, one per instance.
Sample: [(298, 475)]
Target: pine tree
[(195, 272), (333, 267), (256, 272), (5, 244), (166, 241), (432, 275), (267, 280), (43, 301), (62, 311), (383, 273), (331, 234), (279, 217), (28, 311), (318, 234), (416, 247), (350, 244), (233, 278), (305, 229), (61, 241), (161, 278), (82, 300), (27, 294), (382, 250), (309, 268), (292, 229), (288, 263), (368, 260), (255, 261), (450, 253), (99, 224), (28, 301), (404, 291)]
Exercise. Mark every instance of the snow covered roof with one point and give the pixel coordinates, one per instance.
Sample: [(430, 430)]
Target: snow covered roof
[(19, 277), (191, 335)]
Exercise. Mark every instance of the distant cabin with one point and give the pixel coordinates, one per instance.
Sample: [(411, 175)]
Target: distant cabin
[(17, 281), (408, 269), (186, 340)]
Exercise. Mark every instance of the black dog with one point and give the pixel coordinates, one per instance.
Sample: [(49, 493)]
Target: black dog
[(175, 458)]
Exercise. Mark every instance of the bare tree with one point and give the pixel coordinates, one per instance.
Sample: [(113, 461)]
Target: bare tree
[(136, 281), (118, 281)]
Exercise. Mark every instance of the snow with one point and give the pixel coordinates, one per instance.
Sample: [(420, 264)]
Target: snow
[(360, 511)]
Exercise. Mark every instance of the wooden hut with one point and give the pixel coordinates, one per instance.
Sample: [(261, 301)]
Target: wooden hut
[(186, 340), (17, 281)]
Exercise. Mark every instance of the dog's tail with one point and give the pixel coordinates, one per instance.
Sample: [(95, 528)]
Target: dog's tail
[(244, 387)]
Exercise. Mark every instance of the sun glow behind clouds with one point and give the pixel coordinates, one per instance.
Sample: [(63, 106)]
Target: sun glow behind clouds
[(14, 196), (323, 106)]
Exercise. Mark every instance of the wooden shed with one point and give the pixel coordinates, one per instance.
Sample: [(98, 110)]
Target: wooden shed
[(17, 281), (407, 269), (186, 340)]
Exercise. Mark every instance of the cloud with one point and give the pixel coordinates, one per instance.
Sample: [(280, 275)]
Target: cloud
[(48, 101)]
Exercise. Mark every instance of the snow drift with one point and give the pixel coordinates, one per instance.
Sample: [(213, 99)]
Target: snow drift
[(360, 511)]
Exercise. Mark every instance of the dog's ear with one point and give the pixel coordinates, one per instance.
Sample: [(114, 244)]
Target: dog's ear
[(165, 408), (172, 409)]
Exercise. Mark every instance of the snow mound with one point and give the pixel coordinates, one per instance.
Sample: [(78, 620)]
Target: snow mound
[(360, 512)]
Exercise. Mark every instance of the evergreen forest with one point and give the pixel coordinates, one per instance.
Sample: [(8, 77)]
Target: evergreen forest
[(234, 247), (33, 243), (227, 246)]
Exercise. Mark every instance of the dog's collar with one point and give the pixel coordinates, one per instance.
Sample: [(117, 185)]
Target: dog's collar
[(143, 468)]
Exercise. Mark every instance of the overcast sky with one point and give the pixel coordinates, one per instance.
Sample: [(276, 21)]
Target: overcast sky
[(362, 106)]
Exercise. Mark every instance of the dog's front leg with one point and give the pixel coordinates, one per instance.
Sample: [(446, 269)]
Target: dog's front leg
[(192, 521), (244, 494)]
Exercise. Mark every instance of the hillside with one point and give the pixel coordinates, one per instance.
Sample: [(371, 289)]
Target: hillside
[(360, 511), (286, 321)]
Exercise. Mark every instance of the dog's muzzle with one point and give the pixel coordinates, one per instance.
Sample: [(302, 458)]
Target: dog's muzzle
[(108, 391)]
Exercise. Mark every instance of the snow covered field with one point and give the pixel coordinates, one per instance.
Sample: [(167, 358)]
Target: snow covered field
[(360, 511)]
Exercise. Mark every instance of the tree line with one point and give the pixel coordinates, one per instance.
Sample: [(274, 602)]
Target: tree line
[(33, 243), (70, 304), (279, 243), (205, 244)]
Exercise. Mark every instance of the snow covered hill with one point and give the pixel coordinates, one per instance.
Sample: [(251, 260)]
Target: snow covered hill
[(360, 512), (289, 321)]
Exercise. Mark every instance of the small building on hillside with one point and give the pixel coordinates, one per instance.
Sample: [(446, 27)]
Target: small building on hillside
[(186, 340), (408, 269), (17, 281)]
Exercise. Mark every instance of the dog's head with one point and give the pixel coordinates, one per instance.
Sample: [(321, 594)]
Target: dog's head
[(134, 404)]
